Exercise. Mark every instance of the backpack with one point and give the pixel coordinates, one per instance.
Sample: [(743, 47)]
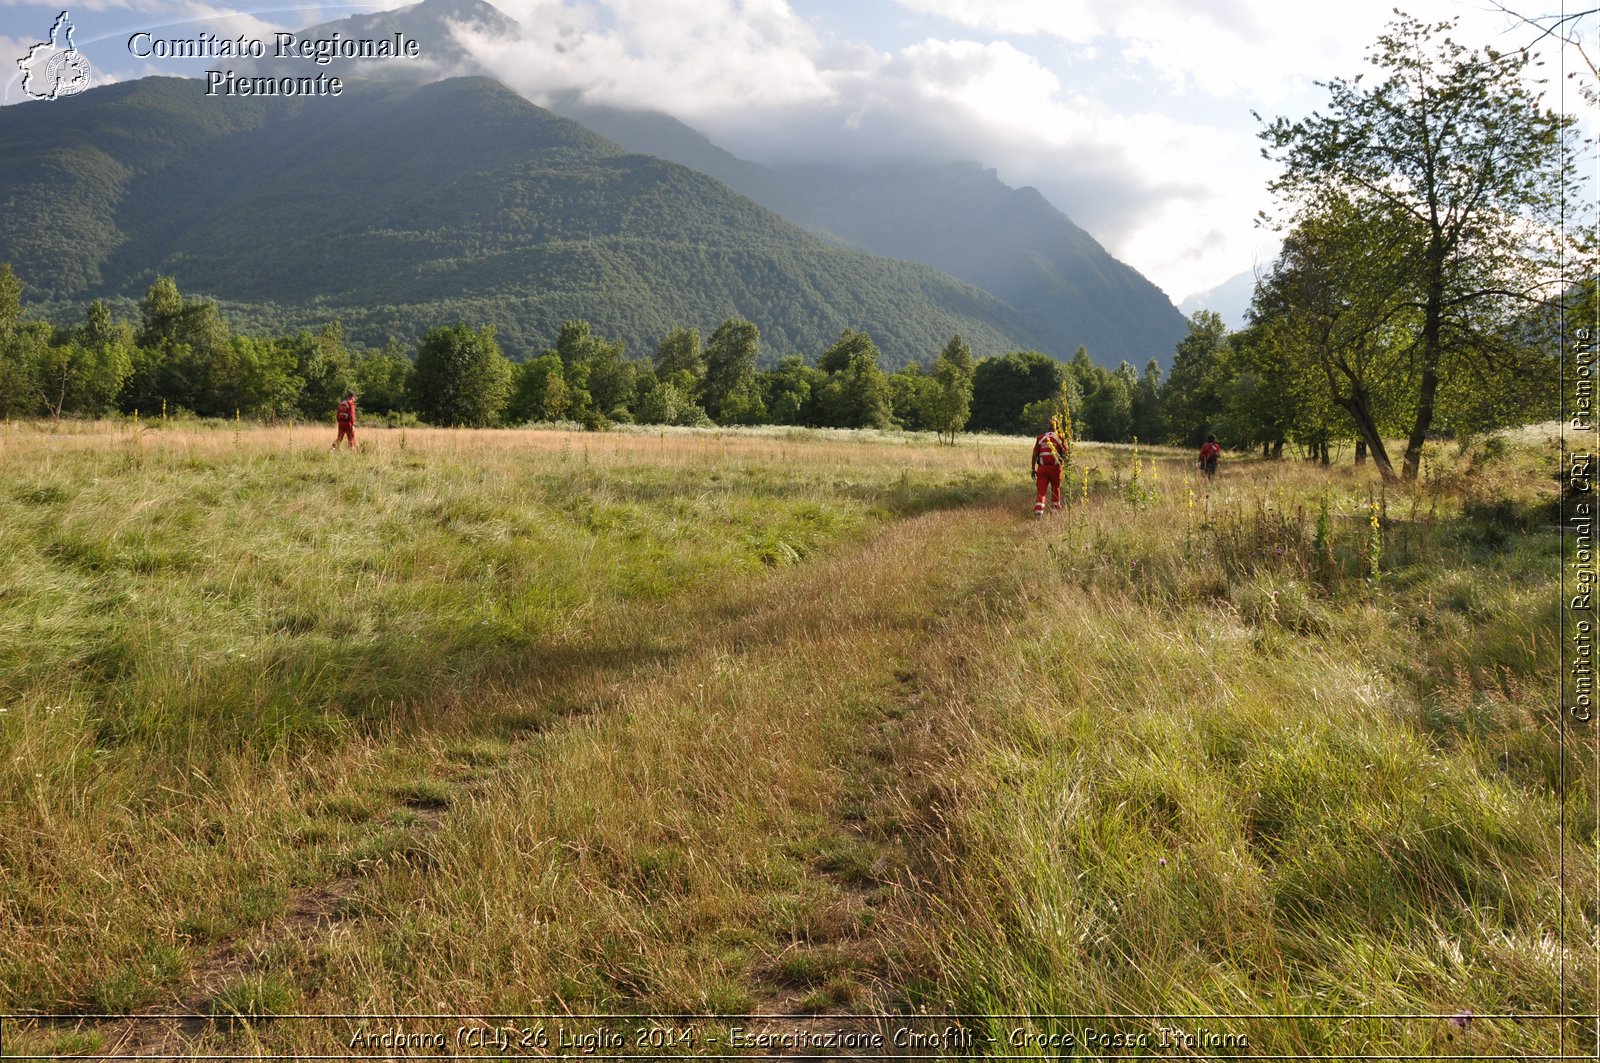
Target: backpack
[(1049, 454), (346, 413)]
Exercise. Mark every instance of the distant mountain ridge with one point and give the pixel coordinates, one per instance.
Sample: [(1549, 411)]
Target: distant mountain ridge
[(958, 217), (430, 23), (1064, 287), (1230, 300), (963, 220), (292, 212)]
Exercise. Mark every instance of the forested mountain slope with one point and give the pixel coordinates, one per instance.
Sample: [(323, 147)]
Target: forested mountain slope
[(396, 207)]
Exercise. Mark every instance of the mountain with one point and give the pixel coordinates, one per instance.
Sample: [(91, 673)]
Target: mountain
[(396, 207), (1230, 299), (1063, 286), (655, 133), (957, 217), (430, 23), (964, 220)]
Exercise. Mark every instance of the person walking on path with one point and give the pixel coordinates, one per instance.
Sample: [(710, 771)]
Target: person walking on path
[(1210, 450), (346, 416), (1049, 455)]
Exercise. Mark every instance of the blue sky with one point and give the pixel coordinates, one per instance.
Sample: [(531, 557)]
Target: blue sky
[(1132, 116)]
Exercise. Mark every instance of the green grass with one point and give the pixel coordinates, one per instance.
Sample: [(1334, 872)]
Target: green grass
[(257, 996), (1226, 772), (692, 721), (232, 662)]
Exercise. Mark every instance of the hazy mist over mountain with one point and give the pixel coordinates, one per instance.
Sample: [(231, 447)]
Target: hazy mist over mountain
[(956, 216), (1230, 299)]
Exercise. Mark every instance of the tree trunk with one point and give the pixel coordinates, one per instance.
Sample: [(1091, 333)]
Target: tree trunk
[(1361, 451), (1432, 327), (1266, 450), (1419, 429), (1358, 406), (1277, 449)]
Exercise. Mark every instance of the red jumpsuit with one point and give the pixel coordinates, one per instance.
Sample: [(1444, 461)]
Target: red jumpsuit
[(1049, 454), (347, 423)]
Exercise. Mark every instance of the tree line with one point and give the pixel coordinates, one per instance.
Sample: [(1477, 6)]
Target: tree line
[(1265, 385), (180, 355)]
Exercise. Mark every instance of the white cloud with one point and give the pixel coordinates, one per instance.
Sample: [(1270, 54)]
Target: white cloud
[(685, 57), (1260, 49), (1154, 189), (190, 19), (11, 50), (987, 79), (1105, 133), (1132, 116)]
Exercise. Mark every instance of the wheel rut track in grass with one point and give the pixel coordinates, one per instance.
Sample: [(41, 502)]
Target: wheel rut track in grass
[(310, 914), (914, 592), (892, 798)]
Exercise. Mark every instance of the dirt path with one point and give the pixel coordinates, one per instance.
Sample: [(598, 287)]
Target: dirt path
[(892, 768), (871, 639)]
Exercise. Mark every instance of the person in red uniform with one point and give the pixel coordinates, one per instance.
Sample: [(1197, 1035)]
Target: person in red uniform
[(347, 421), (1049, 455), (1210, 450)]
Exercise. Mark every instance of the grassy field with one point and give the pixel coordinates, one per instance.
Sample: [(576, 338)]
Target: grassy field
[(778, 722)]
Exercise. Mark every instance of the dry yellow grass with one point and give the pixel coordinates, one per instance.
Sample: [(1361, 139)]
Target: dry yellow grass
[(190, 805), (763, 722)]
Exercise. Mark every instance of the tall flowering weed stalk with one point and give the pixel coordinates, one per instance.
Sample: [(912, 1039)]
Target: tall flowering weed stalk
[(1374, 539), (1139, 492), (1061, 425), (1188, 525), (1322, 543)]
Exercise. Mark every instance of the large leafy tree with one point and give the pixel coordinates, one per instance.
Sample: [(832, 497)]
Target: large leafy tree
[(598, 382), (323, 364), (911, 396), (460, 377), (267, 382), (951, 402), (381, 378), (1273, 391), (1472, 175), (731, 393), (1192, 397), (538, 390), (21, 344), (1108, 410), (181, 342), (788, 389), (1149, 420), (856, 392), (613, 380), (679, 358), (1002, 386), (91, 368), (1328, 311)]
